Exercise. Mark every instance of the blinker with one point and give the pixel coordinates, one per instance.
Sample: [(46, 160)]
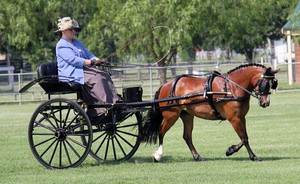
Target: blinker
[(274, 84)]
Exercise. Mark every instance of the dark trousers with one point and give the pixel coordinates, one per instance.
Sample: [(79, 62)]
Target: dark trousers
[(98, 88)]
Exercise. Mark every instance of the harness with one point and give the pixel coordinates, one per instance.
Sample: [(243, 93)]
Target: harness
[(172, 89), (207, 94), (209, 97)]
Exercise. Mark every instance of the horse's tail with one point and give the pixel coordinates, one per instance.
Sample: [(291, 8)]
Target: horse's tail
[(152, 122)]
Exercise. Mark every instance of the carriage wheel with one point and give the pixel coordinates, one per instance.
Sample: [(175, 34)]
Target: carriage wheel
[(55, 134), (117, 141)]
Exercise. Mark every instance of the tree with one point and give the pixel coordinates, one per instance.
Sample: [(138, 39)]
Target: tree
[(25, 29), (143, 27), (100, 31), (233, 25), (107, 25), (242, 25), (28, 26)]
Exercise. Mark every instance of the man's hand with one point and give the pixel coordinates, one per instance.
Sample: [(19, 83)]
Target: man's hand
[(98, 62)]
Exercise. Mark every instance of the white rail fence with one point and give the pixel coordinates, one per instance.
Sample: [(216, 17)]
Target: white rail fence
[(146, 77)]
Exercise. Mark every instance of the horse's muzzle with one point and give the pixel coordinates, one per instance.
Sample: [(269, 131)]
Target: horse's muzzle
[(264, 101), (264, 104)]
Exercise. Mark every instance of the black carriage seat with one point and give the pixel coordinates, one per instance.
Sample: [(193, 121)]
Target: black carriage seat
[(48, 73)]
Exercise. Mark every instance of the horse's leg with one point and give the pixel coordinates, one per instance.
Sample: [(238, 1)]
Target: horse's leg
[(168, 122), (157, 155), (188, 122), (239, 126)]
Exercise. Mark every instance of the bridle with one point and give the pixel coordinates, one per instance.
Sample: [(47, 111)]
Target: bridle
[(264, 84)]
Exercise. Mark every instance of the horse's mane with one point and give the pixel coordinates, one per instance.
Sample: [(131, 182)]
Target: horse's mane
[(245, 66)]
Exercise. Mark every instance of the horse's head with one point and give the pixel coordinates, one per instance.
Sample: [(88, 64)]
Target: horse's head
[(265, 83)]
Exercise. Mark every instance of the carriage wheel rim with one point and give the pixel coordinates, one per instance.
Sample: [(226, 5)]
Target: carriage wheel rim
[(64, 139)]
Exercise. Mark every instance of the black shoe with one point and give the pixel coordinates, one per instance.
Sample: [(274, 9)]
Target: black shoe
[(98, 119)]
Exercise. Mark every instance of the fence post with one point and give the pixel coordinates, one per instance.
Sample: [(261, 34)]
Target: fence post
[(289, 58), (19, 87), (151, 82), (139, 73)]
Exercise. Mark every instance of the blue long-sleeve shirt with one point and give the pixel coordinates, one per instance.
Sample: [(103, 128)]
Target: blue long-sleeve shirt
[(70, 60)]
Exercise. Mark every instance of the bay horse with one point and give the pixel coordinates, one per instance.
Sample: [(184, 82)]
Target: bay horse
[(222, 97)]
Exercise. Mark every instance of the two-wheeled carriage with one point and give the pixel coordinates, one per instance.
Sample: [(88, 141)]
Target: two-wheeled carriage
[(61, 134)]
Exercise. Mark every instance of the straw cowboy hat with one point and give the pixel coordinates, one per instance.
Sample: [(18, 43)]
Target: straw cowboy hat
[(67, 23)]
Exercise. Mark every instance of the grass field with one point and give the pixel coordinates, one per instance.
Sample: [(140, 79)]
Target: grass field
[(274, 134)]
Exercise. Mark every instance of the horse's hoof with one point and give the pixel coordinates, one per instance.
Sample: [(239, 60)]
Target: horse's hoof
[(200, 159), (156, 157), (230, 150), (197, 158), (256, 159), (154, 160)]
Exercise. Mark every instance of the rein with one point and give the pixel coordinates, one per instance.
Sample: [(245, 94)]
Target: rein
[(241, 87), (257, 94)]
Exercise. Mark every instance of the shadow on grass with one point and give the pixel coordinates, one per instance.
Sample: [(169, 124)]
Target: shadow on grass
[(170, 159), (248, 159)]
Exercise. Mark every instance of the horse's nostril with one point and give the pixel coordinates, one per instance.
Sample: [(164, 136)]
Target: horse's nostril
[(265, 104)]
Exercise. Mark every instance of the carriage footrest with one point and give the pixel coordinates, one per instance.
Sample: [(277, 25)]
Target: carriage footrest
[(121, 115)]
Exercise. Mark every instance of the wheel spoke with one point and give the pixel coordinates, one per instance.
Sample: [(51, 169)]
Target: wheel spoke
[(99, 137), (51, 159), (45, 116), (113, 148), (120, 146), (107, 146), (75, 117), (68, 113), (43, 142), (72, 148), (48, 148), (101, 144), (74, 127), (53, 115), (79, 133), (60, 153), (41, 133), (125, 140), (40, 124), (127, 133), (67, 153), (76, 142), (60, 114), (125, 126)]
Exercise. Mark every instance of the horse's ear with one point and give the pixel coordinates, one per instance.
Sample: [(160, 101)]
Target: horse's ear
[(275, 71), (270, 71)]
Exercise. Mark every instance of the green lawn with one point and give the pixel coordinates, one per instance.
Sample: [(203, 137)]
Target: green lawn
[(274, 134)]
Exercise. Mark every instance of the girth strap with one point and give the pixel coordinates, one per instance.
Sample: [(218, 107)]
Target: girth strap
[(208, 88)]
